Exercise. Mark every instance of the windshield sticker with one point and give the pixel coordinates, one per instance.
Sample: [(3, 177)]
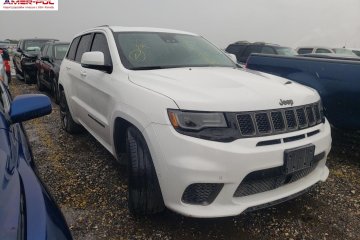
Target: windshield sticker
[(138, 53)]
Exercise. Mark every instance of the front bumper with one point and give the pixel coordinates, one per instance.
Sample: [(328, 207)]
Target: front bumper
[(182, 160)]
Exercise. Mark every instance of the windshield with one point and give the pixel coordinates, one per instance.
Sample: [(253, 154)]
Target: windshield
[(151, 50), (34, 45), (344, 51), (60, 51), (286, 51)]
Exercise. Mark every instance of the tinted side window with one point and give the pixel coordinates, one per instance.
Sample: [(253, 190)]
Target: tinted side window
[(236, 49), (100, 44), (72, 50), (252, 49), (84, 46), (232, 49), (305, 50), (267, 50), (322, 50)]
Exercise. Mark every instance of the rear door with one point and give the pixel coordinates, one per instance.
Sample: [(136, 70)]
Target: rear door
[(69, 75)]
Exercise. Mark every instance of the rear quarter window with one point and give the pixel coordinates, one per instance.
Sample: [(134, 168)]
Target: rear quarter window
[(322, 50), (267, 50)]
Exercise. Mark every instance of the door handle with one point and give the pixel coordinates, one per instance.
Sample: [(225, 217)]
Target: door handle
[(68, 68), (83, 73)]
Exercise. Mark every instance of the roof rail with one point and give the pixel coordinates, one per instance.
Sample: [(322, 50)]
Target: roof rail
[(242, 42), (260, 43), (265, 43)]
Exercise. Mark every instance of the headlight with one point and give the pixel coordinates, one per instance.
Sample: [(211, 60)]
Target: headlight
[(196, 121)]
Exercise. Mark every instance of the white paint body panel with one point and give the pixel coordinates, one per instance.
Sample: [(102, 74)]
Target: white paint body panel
[(143, 97)]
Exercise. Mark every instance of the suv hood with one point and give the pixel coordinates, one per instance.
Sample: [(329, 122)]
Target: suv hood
[(223, 89)]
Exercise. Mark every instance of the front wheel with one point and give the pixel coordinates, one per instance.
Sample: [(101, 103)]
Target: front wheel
[(27, 78), (55, 91), (67, 122), (144, 194)]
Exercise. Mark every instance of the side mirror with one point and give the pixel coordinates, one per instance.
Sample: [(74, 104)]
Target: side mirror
[(19, 50), (29, 106), (232, 57), (95, 60)]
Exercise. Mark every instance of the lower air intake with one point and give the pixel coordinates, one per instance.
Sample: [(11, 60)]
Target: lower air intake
[(201, 193)]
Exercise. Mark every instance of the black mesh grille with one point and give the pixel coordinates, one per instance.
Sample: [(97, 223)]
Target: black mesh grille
[(263, 123), (246, 124), (278, 121), (201, 193), (317, 113), (290, 119), (310, 116), (301, 117), (270, 179)]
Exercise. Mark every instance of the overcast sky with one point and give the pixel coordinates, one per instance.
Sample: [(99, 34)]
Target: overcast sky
[(287, 22)]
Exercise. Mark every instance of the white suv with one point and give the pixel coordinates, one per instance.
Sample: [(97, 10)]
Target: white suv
[(203, 137)]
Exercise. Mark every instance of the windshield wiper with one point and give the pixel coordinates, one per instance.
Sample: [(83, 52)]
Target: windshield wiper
[(150, 67)]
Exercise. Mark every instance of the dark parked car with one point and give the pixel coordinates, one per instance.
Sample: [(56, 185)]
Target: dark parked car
[(27, 211), (335, 78), (25, 57), (357, 52), (243, 49), (48, 66), (6, 59)]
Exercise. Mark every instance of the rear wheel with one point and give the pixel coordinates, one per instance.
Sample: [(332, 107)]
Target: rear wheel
[(67, 122), (144, 194)]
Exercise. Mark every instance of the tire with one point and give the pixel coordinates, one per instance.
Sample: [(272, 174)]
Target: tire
[(67, 122), (55, 91), (27, 78), (17, 72), (39, 85), (9, 78), (144, 193)]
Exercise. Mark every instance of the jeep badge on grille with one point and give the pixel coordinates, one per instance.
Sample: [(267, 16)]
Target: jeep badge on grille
[(286, 102)]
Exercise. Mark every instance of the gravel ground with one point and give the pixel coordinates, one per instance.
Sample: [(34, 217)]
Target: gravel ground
[(91, 189)]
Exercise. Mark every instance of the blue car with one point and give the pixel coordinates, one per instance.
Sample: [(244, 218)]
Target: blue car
[(335, 78), (27, 211)]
